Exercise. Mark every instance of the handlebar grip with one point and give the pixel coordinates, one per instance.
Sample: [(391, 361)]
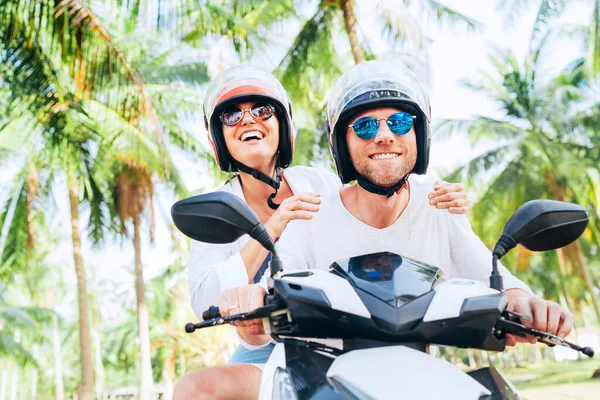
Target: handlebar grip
[(212, 312)]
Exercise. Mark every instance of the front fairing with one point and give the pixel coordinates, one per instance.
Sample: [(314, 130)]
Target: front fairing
[(376, 296), (389, 277), (385, 297)]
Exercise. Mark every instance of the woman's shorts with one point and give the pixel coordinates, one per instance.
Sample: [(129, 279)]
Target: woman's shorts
[(258, 357)]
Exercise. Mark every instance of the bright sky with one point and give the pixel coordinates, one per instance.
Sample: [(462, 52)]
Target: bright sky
[(453, 57)]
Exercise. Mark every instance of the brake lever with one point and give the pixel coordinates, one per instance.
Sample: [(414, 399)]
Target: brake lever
[(516, 328), (518, 315), (260, 312)]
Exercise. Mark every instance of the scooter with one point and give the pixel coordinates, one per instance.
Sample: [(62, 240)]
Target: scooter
[(383, 309)]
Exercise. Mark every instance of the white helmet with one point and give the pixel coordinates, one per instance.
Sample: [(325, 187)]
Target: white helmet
[(237, 85)]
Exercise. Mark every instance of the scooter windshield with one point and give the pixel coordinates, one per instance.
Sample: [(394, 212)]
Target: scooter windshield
[(390, 277)]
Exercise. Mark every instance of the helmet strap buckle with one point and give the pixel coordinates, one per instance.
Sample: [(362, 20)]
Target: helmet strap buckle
[(380, 190), (274, 183)]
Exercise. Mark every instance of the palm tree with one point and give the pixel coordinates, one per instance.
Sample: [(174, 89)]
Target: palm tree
[(537, 152), (134, 192), (549, 11), (136, 163), (70, 94), (55, 83)]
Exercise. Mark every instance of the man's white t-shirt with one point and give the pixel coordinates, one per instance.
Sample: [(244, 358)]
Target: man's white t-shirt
[(423, 233)]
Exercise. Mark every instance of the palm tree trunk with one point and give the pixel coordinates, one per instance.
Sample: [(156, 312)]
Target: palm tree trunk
[(586, 275), (85, 341), (58, 371), (181, 364), (565, 298), (477, 358), (574, 251), (14, 385), (33, 183), (142, 309), (537, 353), (488, 356), (97, 346), (99, 366), (4, 384), (472, 363), (168, 373), (350, 22), (34, 373)]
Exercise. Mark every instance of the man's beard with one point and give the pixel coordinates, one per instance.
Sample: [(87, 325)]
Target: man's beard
[(382, 176)]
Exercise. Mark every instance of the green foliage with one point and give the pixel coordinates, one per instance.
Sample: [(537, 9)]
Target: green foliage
[(311, 65), (46, 42), (242, 22), (13, 236), (548, 12), (17, 325), (547, 373), (533, 152)]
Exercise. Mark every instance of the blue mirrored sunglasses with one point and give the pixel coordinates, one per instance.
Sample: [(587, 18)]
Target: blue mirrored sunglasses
[(399, 123)]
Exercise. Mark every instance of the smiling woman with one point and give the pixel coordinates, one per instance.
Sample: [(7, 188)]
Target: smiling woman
[(248, 118), (254, 136)]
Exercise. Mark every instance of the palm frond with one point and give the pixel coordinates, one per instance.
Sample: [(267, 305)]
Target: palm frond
[(237, 20), (548, 11), (161, 15), (512, 9), (11, 137), (86, 53), (194, 74), (478, 129), (450, 18), (14, 228), (311, 65), (10, 348), (399, 25), (495, 158), (593, 53)]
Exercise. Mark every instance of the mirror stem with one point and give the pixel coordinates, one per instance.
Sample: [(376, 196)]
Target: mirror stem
[(275, 264), (496, 279)]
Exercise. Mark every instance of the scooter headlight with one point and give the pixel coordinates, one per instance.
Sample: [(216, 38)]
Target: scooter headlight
[(283, 386)]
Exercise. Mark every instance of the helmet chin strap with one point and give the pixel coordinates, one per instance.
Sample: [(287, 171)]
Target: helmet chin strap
[(381, 190), (274, 183)]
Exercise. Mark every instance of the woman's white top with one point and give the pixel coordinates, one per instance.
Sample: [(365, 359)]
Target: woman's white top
[(215, 268)]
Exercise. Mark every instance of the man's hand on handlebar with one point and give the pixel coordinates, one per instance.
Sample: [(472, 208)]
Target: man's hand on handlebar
[(241, 300), (545, 315)]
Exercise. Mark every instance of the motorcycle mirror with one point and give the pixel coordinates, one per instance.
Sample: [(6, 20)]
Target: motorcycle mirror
[(219, 217), (542, 225)]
